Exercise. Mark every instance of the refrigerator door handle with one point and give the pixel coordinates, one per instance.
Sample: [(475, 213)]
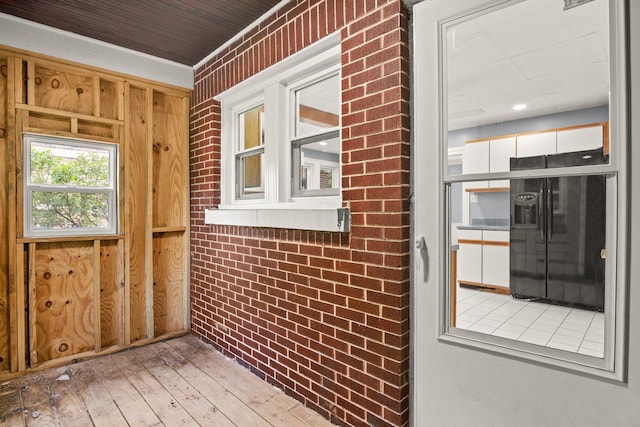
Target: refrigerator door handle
[(541, 218), (550, 209)]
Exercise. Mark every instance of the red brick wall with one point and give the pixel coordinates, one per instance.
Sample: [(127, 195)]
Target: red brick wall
[(323, 315)]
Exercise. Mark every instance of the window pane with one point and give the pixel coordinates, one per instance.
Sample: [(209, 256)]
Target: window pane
[(67, 210), (251, 175), (250, 128), (318, 106), (61, 164), (319, 164), (528, 89), (528, 67)]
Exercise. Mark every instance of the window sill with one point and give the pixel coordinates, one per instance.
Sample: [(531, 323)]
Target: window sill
[(334, 220)]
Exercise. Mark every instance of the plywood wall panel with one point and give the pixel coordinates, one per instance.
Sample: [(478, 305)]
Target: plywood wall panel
[(110, 312), (108, 99), (63, 90), (168, 160), (39, 122), (64, 304), (168, 287), (136, 209), (86, 129)]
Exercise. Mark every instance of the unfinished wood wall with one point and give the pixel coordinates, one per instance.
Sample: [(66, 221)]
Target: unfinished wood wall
[(66, 298)]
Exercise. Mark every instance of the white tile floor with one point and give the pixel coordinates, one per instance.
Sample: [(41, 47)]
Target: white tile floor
[(564, 328)]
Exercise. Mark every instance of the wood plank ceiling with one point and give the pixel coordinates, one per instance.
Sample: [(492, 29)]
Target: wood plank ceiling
[(184, 31)]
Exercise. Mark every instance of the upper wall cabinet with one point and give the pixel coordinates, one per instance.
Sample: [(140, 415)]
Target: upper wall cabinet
[(566, 140), (536, 144), (490, 156), (584, 138)]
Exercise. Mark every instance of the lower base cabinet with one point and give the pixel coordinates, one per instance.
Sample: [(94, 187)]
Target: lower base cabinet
[(483, 259)]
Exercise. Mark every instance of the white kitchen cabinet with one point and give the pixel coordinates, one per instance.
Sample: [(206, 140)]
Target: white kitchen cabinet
[(476, 160), (536, 144), (483, 258), (476, 157), (495, 258), (500, 152), (470, 256), (585, 138)]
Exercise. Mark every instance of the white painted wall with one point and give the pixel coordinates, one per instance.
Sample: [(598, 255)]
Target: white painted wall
[(457, 386), (22, 34)]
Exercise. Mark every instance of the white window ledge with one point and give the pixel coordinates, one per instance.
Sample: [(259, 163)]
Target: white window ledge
[(335, 220)]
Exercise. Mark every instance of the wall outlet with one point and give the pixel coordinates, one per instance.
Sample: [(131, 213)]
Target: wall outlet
[(473, 198)]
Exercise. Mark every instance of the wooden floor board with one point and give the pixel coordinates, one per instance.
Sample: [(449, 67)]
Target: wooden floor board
[(238, 412), (157, 397), (88, 385), (11, 412), (70, 407), (266, 400), (180, 382), (130, 403), (204, 413)]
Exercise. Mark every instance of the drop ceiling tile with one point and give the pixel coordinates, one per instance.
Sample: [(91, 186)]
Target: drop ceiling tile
[(571, 56)]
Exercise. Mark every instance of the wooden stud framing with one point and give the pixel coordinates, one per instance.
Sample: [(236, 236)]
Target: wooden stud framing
[(122, 298), (74, 125), (97, 333), (19, 352), (186, 276), (96, 96), (4, 241), (92, 277), (31, 83), (31, 295), (148, 229), (15, 274), (125, 210)]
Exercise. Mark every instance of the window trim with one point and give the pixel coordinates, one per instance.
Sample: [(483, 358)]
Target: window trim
[(279, 208), (29, 188)]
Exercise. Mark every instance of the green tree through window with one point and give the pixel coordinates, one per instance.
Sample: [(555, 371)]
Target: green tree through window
[(69, 186)]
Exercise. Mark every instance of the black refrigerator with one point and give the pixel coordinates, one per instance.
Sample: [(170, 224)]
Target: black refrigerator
[(557, 232)]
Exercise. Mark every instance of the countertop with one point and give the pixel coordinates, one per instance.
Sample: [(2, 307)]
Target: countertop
[(484, 227)]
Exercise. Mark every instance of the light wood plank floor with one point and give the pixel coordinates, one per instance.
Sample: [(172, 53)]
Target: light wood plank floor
[(178, 382)]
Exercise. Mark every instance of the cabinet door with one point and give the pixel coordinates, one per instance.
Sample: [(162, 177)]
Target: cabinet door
[(500, 153), (495, 258), (470, 256), (495, 265), (588, 138), (476, 160), (536, 144)]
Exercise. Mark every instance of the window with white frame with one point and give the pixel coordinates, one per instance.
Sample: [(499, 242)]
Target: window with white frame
[(70, 187), (281, 134), (534, 221)]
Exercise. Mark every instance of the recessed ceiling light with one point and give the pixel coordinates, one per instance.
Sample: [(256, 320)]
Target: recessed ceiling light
[(519, 107), (323, 143)]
